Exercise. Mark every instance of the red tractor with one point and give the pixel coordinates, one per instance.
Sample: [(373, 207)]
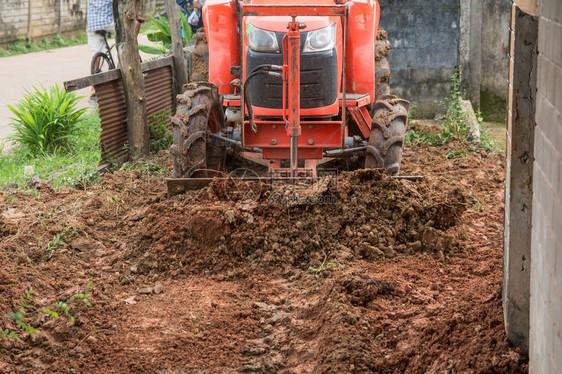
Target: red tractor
[(290, 84)]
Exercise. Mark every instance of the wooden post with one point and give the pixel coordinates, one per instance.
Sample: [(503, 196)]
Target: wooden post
[(180, 65), (29, 7), (124, 13), (60, 16)]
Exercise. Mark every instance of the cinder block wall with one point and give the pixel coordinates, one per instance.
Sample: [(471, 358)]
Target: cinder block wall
[(47, 17), (38, 18), (546, 249)]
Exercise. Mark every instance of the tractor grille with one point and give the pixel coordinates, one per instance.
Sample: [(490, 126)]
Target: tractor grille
[(319, 79)]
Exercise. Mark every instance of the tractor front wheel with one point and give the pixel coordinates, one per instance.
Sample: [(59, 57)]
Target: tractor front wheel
[(199, 113), (382, 67), (384, 151)]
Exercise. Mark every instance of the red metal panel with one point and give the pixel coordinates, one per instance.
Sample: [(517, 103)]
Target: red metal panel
[(292, 79), (319, 135), (113, 114), (362, 119), (361, 38), (293, 10), (284, 153), (221, 20)]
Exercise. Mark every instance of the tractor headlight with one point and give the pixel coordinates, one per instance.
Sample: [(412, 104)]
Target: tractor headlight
[(321, 40), (262, 40)]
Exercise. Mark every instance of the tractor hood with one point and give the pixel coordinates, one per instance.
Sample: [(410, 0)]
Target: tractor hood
[(279, 24)]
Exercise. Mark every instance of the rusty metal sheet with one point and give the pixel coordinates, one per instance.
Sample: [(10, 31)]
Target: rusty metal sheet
[(158, 85)]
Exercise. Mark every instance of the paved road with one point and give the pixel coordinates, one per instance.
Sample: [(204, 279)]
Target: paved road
[(18, 73)]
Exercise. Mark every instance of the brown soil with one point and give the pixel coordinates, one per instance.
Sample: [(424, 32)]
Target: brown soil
[(200, 58), (219, 282)]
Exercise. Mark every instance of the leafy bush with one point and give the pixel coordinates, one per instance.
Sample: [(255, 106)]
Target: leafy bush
[(455, 125), (75, 169), (456, 122), (45, 119), (159, 33)]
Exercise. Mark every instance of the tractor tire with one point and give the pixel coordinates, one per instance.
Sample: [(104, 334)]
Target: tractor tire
[(382, 67), (200, 58), (199, 113), (384, 149)]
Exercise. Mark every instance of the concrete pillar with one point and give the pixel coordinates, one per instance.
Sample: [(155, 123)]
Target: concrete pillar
[(519, 176), (464, 45), (475, 54)]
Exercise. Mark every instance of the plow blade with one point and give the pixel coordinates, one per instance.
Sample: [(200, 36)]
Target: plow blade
[(178, 186)]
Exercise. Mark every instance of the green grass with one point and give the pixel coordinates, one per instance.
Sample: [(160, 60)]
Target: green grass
[(62, 169), (496, 133), (28, 46), (492, 106)]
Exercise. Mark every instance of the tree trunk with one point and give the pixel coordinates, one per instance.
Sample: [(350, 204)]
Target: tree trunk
[(124, 13), (180, 65)]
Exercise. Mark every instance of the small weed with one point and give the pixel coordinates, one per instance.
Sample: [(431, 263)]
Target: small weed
[(453, 153), (19, 315), (413, 107), (8, 334), (144, 166), (58, 240), (64, 306), (160, 137), (323, 267)]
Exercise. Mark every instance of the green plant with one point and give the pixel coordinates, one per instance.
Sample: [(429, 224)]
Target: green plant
[(159, 33), (429, 138), (485, 139), (323, 267), (452, 153), (160, 137), (45, 120), (64, 306), (455, 125), (412, 110), (8, 334), (456, 122)]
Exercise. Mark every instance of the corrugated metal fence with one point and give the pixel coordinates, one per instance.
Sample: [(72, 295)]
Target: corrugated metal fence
[(158, 85)]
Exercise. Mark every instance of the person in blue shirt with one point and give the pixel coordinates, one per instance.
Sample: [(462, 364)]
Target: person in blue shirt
[(99, 18), (195, 19)]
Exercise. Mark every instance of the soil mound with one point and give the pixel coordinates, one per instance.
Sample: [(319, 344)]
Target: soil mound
[(358, 215)]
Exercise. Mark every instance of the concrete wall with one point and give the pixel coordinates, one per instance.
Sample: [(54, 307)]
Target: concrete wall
[(430, 39), (495, 42), (545, 342), (38, 18), (424, 36)]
